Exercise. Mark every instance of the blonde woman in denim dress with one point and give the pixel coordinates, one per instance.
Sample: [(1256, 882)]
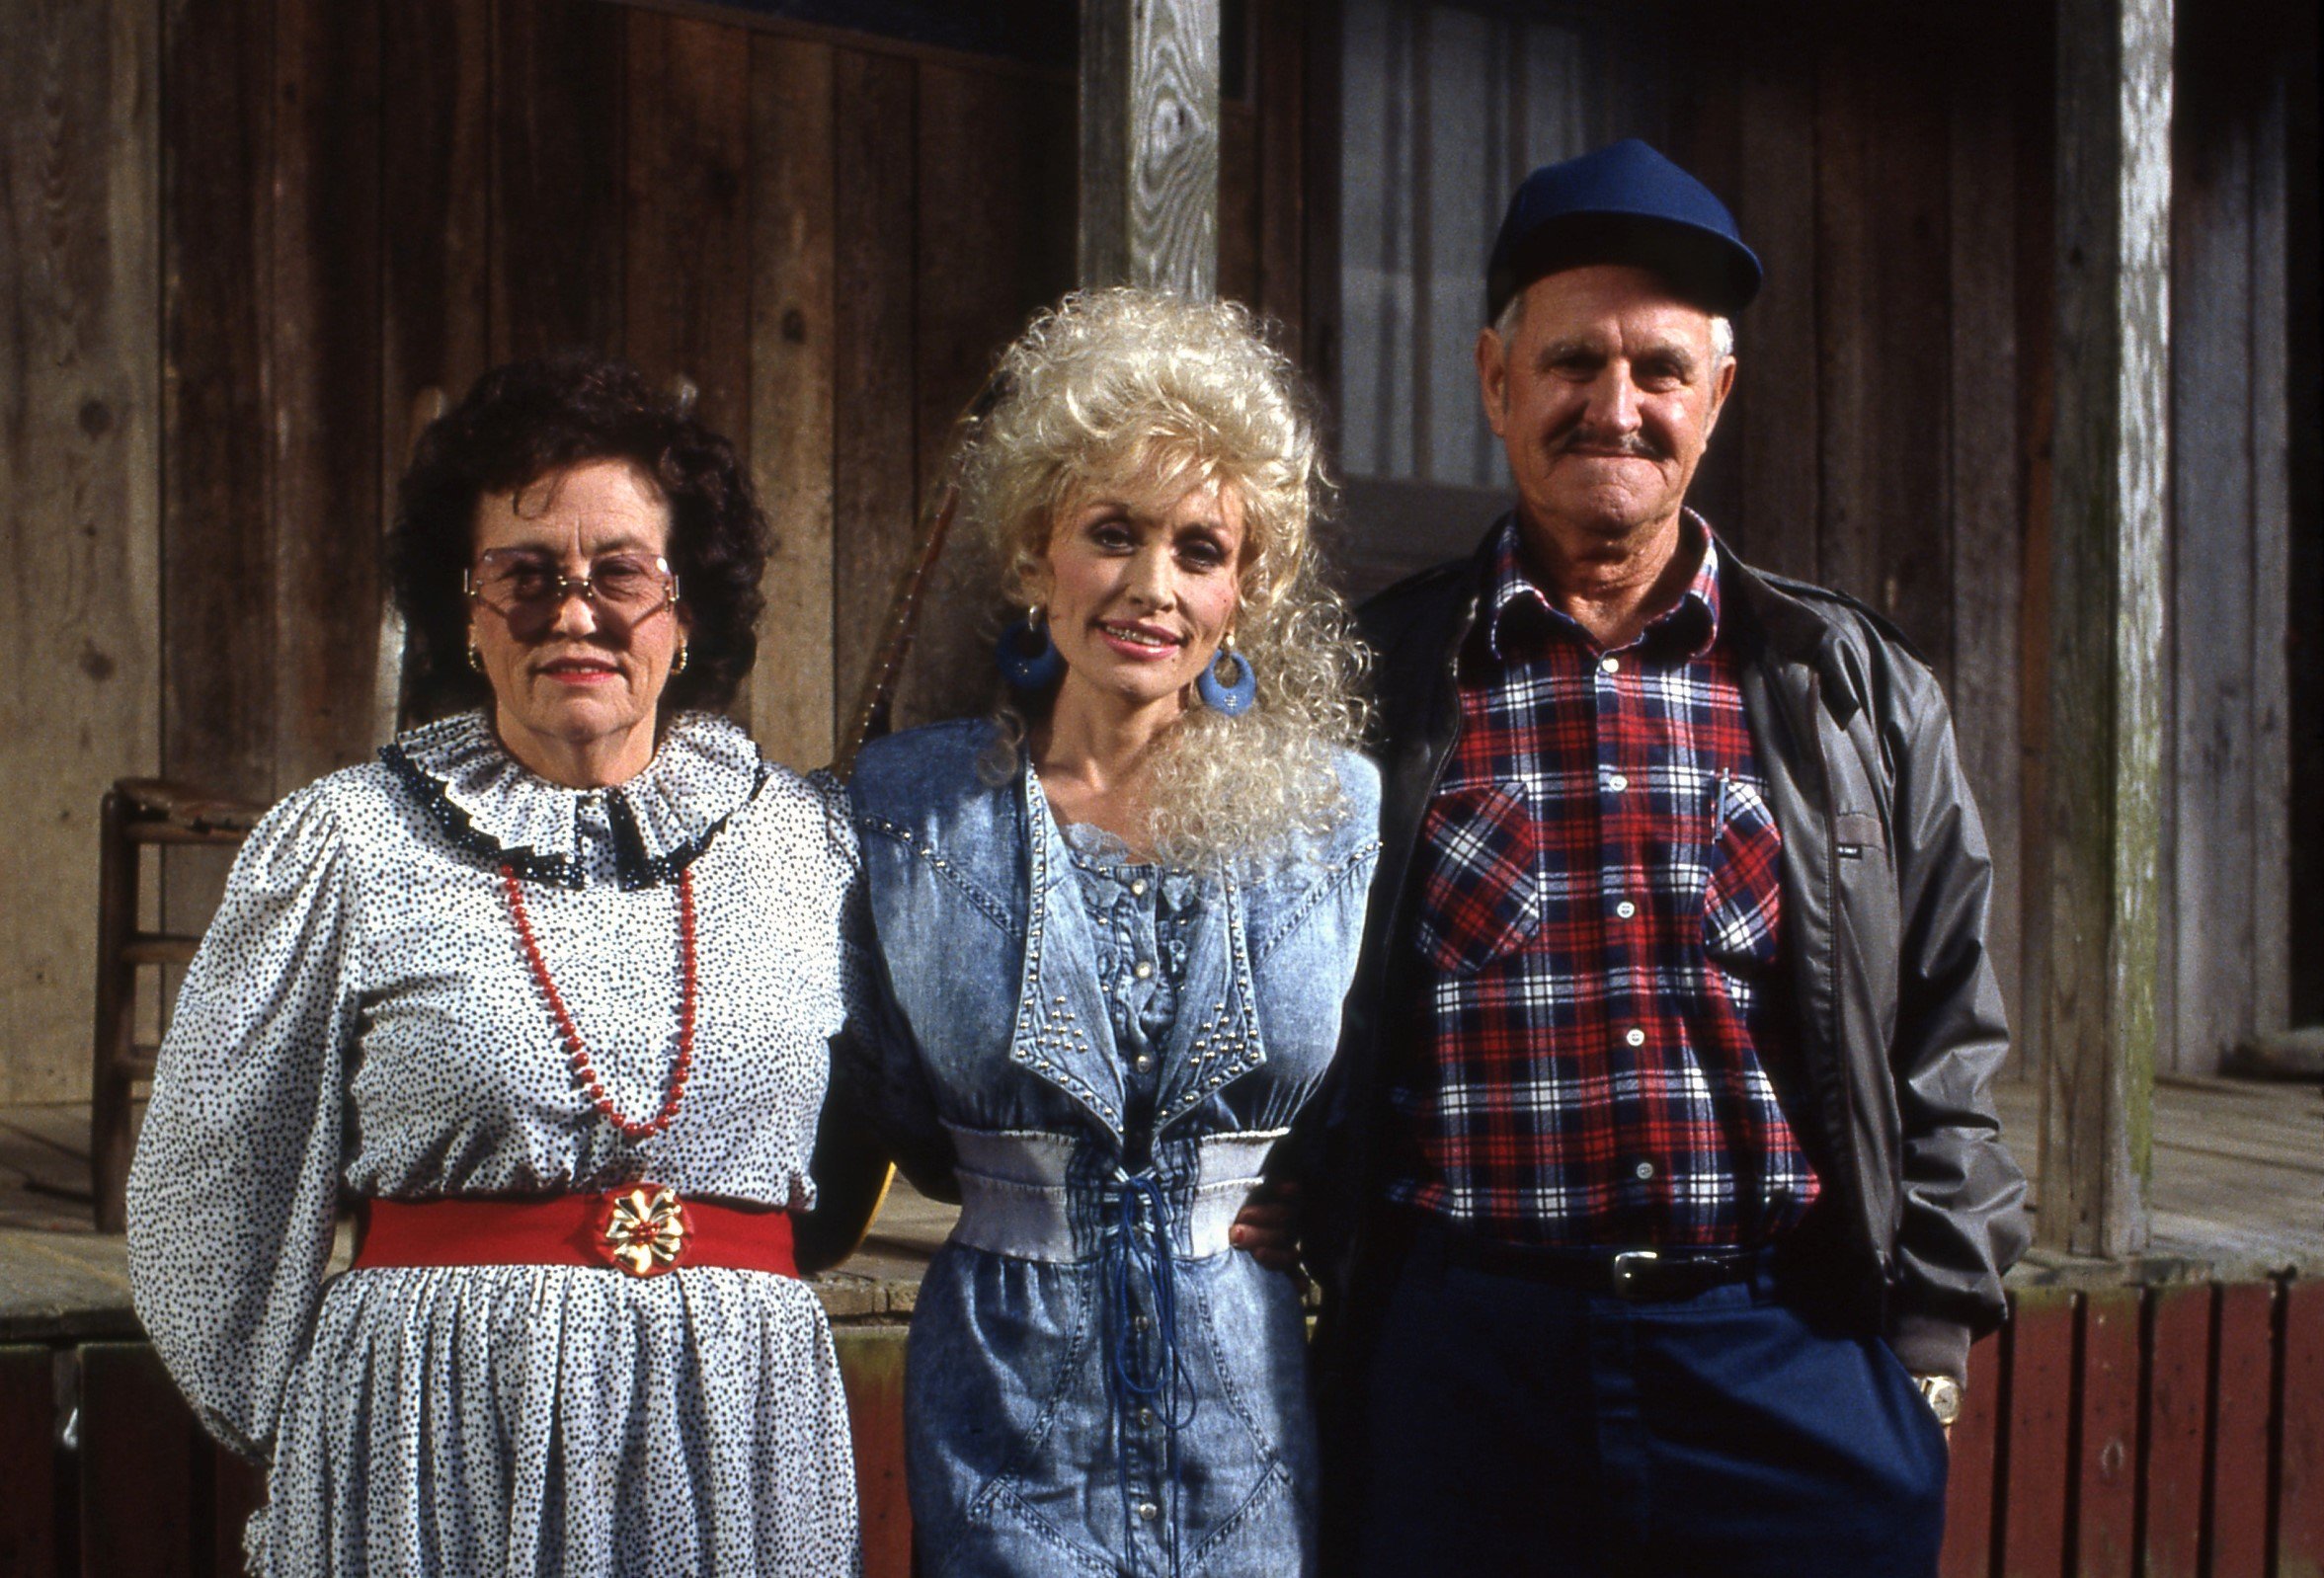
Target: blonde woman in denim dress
[(1110, 928)]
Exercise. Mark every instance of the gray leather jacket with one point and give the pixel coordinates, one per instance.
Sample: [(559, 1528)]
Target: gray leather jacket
[(1886, 881)]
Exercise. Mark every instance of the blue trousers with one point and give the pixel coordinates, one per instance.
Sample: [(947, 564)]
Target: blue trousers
[(1513, 1427)]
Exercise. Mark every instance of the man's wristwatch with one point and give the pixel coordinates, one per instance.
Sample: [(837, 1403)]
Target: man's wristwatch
[(1943, 1395)]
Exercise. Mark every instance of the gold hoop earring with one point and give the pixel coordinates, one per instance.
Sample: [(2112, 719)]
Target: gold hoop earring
[(678, 662), (475, 657)]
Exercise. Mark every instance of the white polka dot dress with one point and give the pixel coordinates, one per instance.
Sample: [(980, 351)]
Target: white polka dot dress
[(360, 1021)]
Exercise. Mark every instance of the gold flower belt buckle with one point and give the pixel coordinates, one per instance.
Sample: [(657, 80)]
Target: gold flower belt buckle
[(645, 1230)]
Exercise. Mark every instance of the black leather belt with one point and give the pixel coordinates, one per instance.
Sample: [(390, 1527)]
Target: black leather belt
[(1641, 1276)]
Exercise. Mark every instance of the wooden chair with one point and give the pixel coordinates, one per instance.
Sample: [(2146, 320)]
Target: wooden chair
[(137, 812)]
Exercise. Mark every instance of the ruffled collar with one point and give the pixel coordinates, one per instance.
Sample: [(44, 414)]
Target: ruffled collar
[(704, 771)]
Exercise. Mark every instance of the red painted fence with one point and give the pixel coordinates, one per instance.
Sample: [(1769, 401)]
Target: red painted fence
[(2164, 1433)]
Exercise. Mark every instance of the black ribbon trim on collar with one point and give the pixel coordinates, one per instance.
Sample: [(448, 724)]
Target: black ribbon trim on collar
[(633, 868)]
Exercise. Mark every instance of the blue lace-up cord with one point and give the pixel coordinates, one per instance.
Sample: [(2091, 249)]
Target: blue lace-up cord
[(1138, 1256)]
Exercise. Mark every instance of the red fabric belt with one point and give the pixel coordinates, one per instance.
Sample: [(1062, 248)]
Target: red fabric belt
[(643, 1231)]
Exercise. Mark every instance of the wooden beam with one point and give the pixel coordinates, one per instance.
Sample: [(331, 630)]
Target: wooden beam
[(2112, 470), (1150, 144)]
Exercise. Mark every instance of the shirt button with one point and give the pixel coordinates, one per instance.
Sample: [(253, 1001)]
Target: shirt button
[(1644, 1170), (1149, 1511), (1139, 1322), (1145, 1062), (1617, 783), (1138, 889), (1142, 969), (1610, 665), (1146, 1416), (1625, 909), (1635, 1036)]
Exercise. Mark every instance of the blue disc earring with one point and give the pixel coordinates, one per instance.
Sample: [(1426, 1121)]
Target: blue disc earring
[(1235, 697), (1028, 659)]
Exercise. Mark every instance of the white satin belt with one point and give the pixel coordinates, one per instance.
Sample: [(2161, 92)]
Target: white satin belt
[(1014, 1200)]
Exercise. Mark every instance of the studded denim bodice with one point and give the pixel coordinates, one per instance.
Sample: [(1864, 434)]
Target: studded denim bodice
[(1141, 917), (1089, 1111)]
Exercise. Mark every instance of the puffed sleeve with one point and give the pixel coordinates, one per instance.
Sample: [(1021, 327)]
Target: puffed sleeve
[(234, 1187), (851, 1166), (878, 1079), (845, 858)]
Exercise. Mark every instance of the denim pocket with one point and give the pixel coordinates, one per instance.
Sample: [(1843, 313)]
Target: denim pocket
[(1743, 886), (1480, 898)]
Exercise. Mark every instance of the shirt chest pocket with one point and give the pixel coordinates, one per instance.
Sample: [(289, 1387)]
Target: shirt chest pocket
[(1742, 890), (1481, 898)]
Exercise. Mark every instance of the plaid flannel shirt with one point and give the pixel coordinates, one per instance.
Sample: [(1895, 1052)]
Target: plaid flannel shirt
[(1599, 892)]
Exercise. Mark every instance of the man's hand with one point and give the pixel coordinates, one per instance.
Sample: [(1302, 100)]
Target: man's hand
[(1265, 1228)]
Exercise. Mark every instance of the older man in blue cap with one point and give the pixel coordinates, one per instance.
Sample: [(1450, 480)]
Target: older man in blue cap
[(1659, 1192)]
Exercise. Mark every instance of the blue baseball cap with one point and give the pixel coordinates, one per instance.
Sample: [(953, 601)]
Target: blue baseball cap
[(1624, 204)]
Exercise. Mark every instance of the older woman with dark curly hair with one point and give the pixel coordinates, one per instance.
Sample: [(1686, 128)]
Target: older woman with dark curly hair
[(546, 994)]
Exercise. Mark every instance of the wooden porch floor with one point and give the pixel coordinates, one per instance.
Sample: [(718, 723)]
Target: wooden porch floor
[(2238, 1195)]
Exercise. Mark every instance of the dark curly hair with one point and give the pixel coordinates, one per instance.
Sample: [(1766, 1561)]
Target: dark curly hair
[(526, 419)]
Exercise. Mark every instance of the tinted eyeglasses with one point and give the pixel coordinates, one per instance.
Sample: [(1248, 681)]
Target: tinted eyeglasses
[(527, 587)]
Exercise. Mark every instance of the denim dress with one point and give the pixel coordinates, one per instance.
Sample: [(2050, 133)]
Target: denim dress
[(1096, 1057)]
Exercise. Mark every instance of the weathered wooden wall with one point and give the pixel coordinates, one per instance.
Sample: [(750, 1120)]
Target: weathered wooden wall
[(243, 237), (79, 470), (2227, 752)]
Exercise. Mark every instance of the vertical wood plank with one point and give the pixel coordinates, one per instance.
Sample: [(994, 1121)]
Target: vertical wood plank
[(1706, 139), (323, 383), (435, 285), (2244, 1375), (136, 1430), (2299, 1485), (435, 268), (1283, 183), (558, 72), (2040, 1417), (2037, 310), (1320, 251), (219, 686), (1968, 1484), (27, 1463), (1777, 404), (1985, 516), (687, 266), (2270, 361), (1240, 205), (793, 324), (873, 456), (2179, 1354), (2209, 953), (1150, 144), (80, 231), (989, 171), (871, 1360), (2105, 1526), (1882, 224), (2105, 748), (218, 659)]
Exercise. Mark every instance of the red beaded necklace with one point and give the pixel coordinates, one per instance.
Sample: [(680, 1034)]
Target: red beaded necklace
[(583, 1070)]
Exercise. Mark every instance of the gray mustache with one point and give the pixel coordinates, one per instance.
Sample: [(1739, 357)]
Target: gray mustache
[(1631, 444)]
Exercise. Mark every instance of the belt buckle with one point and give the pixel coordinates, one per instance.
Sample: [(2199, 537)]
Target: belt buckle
[(1632, 1268), (644, 1229)]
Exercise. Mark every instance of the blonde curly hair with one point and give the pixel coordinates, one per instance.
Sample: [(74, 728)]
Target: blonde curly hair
[(1145, 394)]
